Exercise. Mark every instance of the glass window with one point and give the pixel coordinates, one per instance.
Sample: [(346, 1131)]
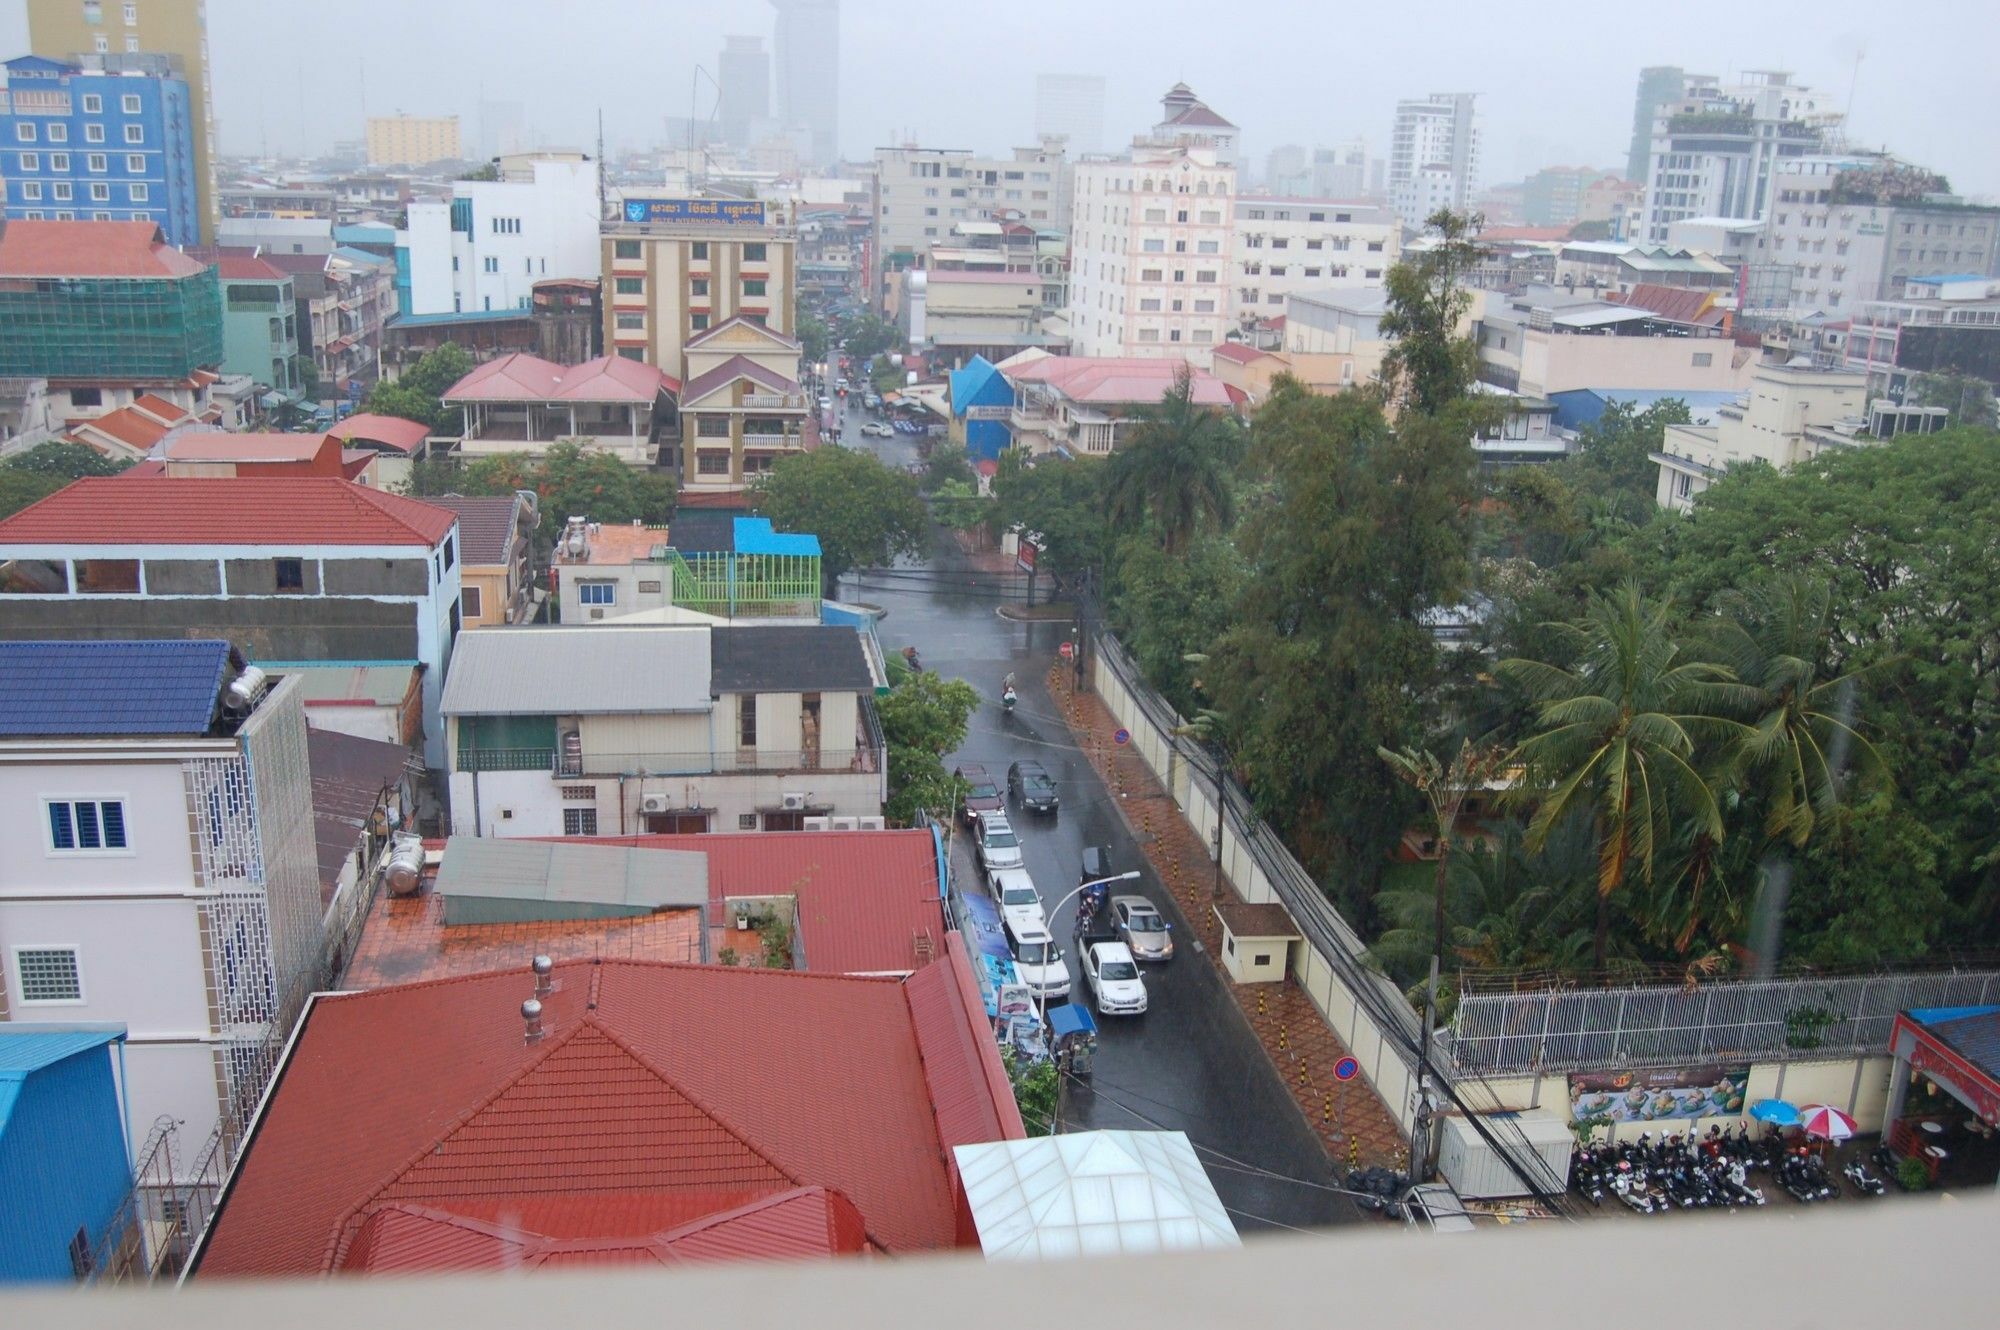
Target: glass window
[(59, 162), (698, 286), (92, 104), (753, 286), (48, 974), (753, 253), (100, 192), (625, 249), (597, 593), (629, 286), (31, 161), (698, 251), (130, 103), (135, 163), (24, 130), (30, 189), (631, 321), (579, 821), (96, 162), (86, 824), (469, 602)]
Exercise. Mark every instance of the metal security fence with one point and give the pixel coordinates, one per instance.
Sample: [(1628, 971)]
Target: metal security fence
[(1781, 1020)]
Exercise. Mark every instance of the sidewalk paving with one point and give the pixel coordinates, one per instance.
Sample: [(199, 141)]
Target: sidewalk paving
[(1291, 1029)]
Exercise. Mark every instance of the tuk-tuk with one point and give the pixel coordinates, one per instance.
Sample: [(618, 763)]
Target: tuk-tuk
[(1074, 1031)]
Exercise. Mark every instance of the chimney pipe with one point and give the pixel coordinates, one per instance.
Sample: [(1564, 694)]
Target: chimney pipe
[(531, 1017), (543, 967)]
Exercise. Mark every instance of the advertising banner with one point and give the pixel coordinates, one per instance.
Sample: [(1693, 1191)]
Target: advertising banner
[(1658, 1096), (730, 212)]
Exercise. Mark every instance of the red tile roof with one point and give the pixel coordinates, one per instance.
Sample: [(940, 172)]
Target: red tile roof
[(174, 510), (223, 446), (405, 1116), (1118, 380), (389, 431), (520, 377), (90, 249), (1240, 352), (863, 896), (1677, 304)]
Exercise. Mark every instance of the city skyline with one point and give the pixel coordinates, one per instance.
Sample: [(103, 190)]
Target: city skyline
[(267, 63)]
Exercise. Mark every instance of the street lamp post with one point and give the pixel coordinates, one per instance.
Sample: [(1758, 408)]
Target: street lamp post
[(1082, 887)]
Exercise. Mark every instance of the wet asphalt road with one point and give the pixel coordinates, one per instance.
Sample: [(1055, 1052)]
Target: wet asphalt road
[(1191, 1063)]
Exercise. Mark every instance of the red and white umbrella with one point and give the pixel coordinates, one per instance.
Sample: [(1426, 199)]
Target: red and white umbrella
[(1827, 1123)]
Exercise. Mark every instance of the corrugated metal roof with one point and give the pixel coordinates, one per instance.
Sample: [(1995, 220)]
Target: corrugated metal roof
[(26, 1051), (653, 1082), (110, 688), (339, 682), (788, 658), (755, 535), (492, 880), (600, 670)]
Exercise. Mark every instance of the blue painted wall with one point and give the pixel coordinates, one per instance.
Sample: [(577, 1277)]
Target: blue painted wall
[(150, 179), (62, 1163)]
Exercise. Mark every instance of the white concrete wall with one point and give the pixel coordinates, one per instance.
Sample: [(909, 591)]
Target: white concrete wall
[(428, 240), (363, 722), (536, 801)]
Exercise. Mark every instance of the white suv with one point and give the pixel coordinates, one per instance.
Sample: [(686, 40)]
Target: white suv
[(999, 847)]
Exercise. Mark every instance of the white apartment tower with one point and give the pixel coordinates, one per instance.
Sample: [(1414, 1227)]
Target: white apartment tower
[(1071, 105), (1716, 147), (1433, 156), (1294, 246), (1151, 253)]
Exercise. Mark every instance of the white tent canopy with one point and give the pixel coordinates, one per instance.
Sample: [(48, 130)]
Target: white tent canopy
[(1091, 1192)]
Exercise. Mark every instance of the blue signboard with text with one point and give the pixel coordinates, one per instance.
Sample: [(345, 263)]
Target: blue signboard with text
[(730, 212)]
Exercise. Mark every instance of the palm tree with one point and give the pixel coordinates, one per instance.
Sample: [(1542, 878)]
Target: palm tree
[(1618, 732), (1506, 908), (1801, 739), (1178, 468), (1444, 787)]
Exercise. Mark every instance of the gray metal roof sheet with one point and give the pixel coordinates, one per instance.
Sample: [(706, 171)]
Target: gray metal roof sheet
[(617, 878), (599, 670)]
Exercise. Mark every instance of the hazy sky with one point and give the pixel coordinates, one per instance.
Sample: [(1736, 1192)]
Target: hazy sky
[(1555, 77)]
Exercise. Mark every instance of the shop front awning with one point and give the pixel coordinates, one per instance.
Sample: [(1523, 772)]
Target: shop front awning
[(1956, 1047)]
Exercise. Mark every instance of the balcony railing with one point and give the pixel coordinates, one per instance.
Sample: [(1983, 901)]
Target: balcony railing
[(858, 755)]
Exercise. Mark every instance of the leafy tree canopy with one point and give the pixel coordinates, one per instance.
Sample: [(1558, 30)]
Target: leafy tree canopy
[(865, 514), (415, 396)]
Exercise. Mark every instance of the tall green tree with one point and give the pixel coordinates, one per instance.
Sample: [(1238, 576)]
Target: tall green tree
[(864, 513), (1060, 500), (66, 461), (1613, 466), (1362, 531), (924, 717), (570, 480), (1176, 470), (1431, 363), (1622, 722), (416, 395)]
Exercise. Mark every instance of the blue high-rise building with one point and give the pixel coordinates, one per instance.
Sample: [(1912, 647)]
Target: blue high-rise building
[(111, 141)]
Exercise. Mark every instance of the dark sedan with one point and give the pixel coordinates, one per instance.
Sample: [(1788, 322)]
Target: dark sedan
[(983, 796), (1030, 786)]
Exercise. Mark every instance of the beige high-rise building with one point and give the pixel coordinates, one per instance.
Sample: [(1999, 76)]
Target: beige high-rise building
[(59, 29), (412, 140), (674, 268)]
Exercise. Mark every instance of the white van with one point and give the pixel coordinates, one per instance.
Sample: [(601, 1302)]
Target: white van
[(1037, 958)]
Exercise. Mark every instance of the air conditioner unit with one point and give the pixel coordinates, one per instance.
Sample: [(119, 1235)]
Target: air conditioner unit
[(844, 824), (871, 824), (597, 614), (794, 802), (653, 803), (817, 823)]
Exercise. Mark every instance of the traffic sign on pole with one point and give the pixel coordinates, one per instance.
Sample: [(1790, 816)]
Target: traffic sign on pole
[(1346, 1069), (1068, 649), (1121, 735)]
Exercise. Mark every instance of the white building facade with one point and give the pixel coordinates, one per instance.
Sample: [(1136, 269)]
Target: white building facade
[(1433, 156), (921, 193), (1287, 247), (184, 904), (487, 246), (1152, 254), (1791, 414), (1717, 148)]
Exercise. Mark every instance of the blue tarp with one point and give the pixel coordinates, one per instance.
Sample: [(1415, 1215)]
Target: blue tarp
[(981, 383), (1071, 1019), (755, 536)]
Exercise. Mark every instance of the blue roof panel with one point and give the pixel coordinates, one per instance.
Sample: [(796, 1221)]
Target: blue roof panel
[(107, 688), (755, 536), (29, 1051)]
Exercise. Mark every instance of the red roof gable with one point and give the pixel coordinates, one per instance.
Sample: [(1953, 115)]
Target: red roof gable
[(643, 1108), (389, 431), (180, 510), (90, 249)]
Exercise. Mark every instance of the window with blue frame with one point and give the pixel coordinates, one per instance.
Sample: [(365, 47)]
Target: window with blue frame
[(461, 216), (597, 593), (87, 824)]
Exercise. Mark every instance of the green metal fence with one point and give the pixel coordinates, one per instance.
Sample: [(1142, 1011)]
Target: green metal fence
[(733, 585)]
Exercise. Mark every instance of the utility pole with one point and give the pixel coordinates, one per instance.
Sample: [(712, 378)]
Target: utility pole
[(1420, 1129)]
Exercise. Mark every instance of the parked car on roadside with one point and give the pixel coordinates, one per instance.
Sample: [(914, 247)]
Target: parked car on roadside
[(1114, 979), (1030, 786), (1018, 898), (1143, 928), (983, 797), (1038, 959), (999, 846)]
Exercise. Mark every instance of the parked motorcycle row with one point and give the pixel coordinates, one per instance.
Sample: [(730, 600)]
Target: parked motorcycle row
[(1722, 1170)]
